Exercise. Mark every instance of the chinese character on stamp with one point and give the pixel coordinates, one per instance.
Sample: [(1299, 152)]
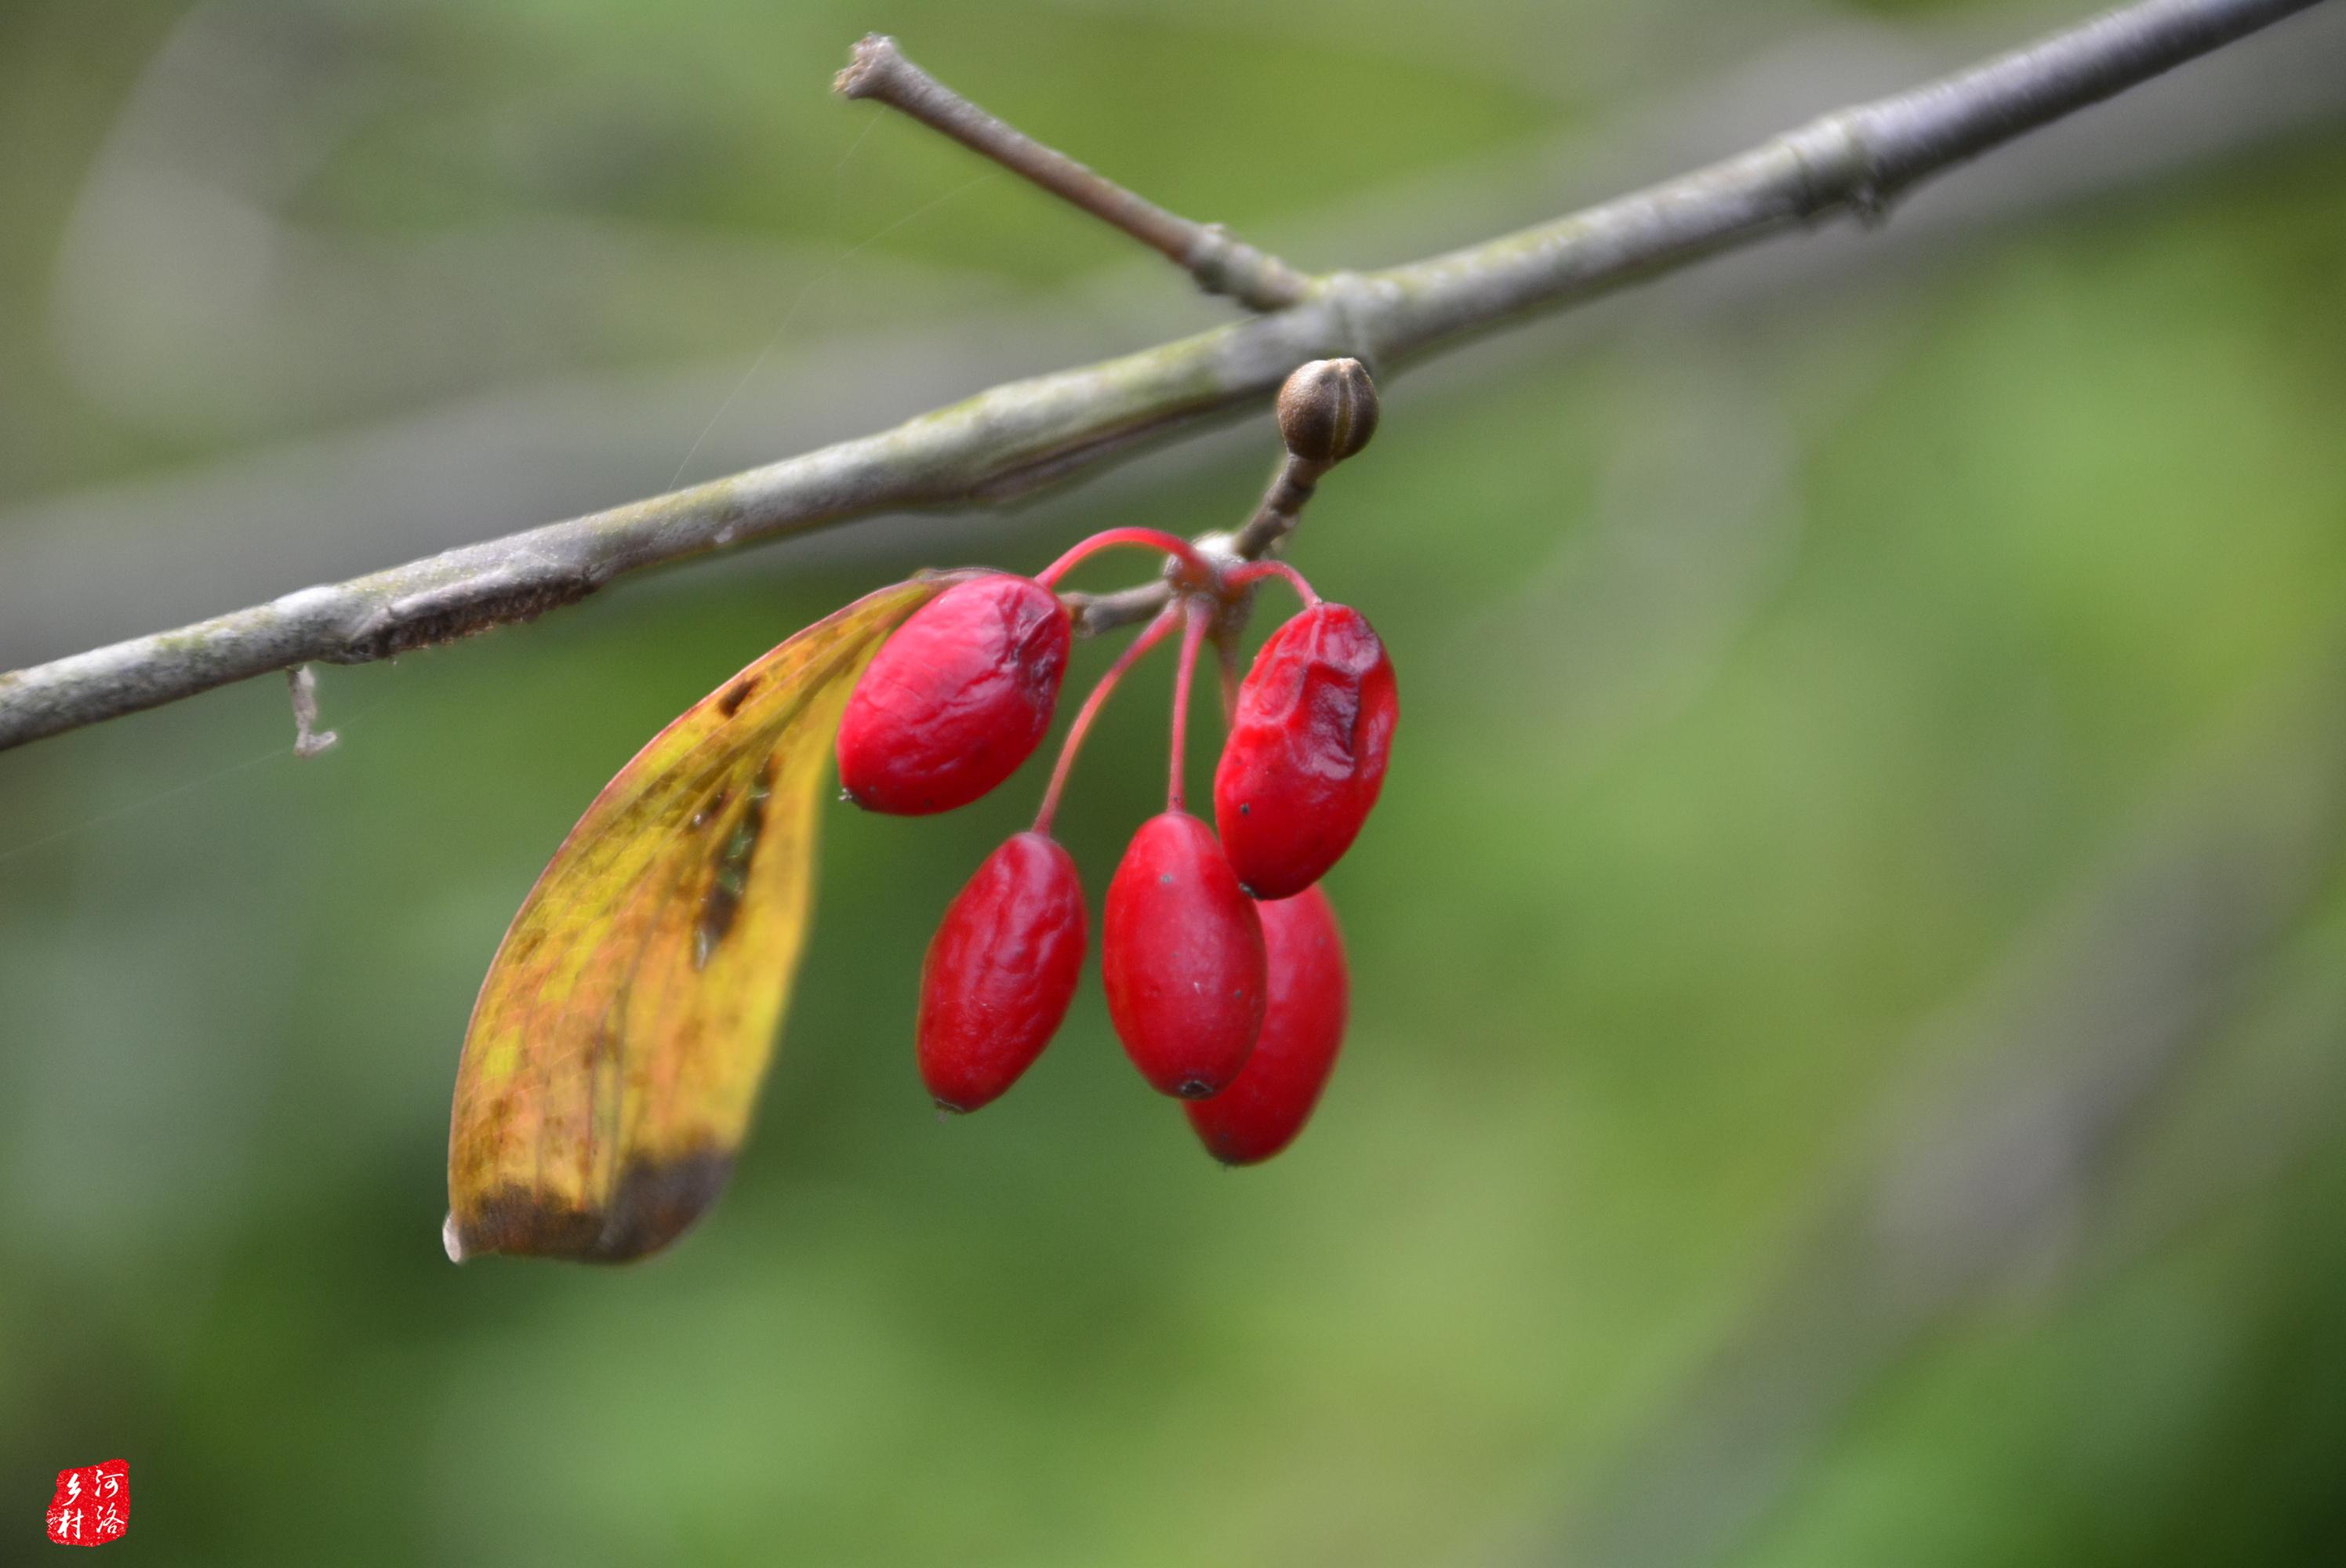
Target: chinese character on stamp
[(92, 1506)]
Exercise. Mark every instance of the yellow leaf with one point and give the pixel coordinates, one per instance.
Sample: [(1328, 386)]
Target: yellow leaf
[(616, 1048)]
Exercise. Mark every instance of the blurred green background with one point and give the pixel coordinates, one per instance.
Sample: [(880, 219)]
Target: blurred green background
[(1849, 970)]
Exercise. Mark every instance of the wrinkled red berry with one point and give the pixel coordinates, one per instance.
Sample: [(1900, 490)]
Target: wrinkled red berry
[(1182, 955), (1268, 1103), (1306, 754), (957, 698), (1000, 972)]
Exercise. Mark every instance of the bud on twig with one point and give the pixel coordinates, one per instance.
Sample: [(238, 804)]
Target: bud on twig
[(1328, 410)]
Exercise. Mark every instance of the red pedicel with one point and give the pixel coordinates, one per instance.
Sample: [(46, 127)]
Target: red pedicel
[(957, 698), (1307, 749), (1182, 956), (1000, 972), (1302, 1029)]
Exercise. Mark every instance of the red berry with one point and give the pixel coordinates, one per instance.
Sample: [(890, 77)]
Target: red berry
[(1306, 754), (1266, 1105), (1183, 958), (1000, 972), (957, 698)]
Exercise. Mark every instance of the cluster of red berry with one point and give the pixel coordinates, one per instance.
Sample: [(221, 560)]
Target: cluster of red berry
[(1224, 968)]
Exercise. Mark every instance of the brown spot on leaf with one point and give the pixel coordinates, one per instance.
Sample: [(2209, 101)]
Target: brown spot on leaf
[(730, 877), (656, 1202), (736, 695), (514, 1221)]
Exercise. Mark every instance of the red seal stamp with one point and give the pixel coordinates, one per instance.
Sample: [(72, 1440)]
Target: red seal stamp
[(92, 1506)]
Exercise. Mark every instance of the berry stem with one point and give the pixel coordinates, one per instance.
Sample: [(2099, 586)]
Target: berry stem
[(1191, 635), (1199, 569), (1244, 577), (1155, 634), (1226, 654)]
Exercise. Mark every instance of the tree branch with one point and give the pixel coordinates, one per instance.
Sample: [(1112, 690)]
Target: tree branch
[(1220, 261), (1021, 436)]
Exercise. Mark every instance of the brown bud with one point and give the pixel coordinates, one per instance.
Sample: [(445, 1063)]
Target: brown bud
[(1328, 410)]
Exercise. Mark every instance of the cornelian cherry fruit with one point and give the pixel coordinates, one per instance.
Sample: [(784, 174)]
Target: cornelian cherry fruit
[(1268, 1103), (957, 698), (1000, 972), (1307, 750), (1182, 956), (1222, 962)]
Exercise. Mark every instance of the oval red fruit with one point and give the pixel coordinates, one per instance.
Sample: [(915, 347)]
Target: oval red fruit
[(1268, 1103), (1307, 750), (1000, 972), (1182, 955), (957, 698)]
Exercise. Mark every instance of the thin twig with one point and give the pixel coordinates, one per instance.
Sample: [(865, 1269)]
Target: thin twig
[(1220, 261), (1019, 436)]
